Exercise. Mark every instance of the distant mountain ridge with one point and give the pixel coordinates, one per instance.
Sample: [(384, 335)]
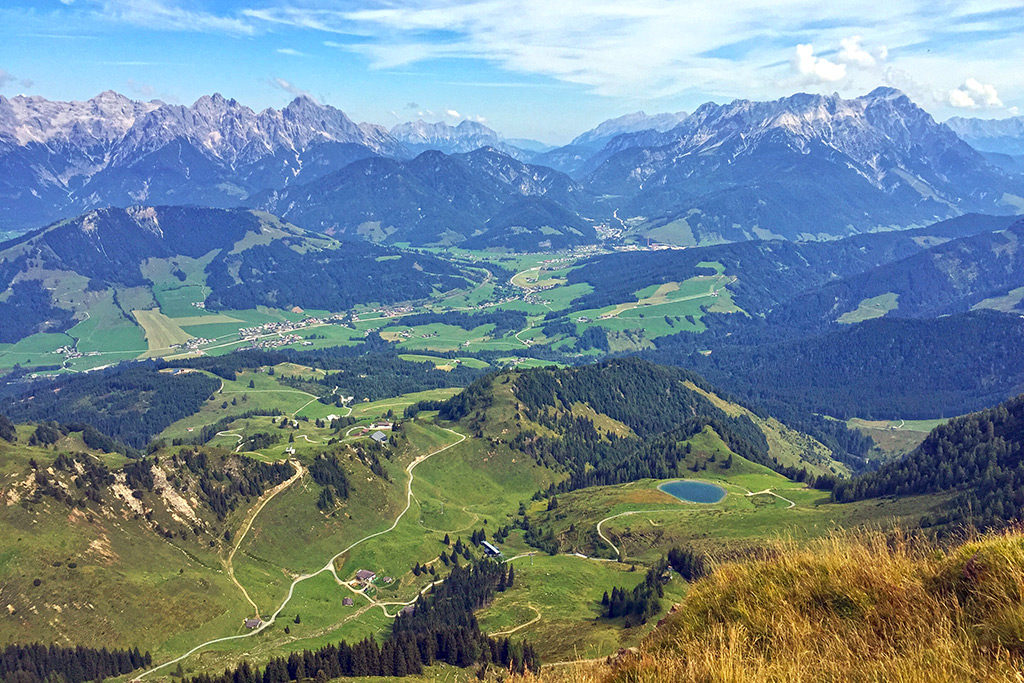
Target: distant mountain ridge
[(836, 167), (467, 136), (62, 158), (1000, 136), (481, 198)]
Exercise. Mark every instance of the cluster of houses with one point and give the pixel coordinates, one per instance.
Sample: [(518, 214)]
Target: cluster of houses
[(388, 312), (192, 343), (285, 326), (70, 352), (275, 342)]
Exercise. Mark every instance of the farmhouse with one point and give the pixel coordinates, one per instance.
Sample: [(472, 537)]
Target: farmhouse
[(347, 602), (383, 424), (253, 623), (490, 549), (379, 437), (365, 575)]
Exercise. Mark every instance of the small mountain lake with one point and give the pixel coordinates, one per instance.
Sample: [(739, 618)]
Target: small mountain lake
[(693, 491)]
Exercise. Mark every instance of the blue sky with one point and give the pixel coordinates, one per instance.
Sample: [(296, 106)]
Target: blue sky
[(546, 69)]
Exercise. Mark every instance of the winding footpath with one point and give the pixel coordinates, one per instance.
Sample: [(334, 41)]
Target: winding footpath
[(621, 514), (772, 493), (329, 567), (229, 563)]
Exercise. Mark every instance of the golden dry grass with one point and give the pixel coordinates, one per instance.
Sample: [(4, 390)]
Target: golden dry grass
[(868, 608)]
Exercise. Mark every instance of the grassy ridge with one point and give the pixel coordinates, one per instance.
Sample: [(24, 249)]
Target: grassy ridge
[(870, 607)]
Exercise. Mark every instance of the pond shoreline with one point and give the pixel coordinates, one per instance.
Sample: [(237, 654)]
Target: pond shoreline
[(693, 491)]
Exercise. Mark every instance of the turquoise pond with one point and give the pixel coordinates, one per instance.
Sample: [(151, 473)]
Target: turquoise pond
[(693, 491)]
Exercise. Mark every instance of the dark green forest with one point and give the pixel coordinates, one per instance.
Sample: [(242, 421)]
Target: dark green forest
[(130, 403), (979, 457)]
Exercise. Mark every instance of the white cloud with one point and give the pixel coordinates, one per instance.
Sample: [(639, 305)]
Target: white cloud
[(291, 52), (6, 77), (452, 114), (290, 88), (974, 94), (817, 68), (853, 53)]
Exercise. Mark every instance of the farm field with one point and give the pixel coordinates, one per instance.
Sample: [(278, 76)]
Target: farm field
[(161, 331), (895, 437)]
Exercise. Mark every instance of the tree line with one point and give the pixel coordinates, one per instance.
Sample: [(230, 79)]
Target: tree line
[(36, 663)]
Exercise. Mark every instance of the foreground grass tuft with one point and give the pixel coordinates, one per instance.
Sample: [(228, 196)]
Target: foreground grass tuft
[(868, 608)]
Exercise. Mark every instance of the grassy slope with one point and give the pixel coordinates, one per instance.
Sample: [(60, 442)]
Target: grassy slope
[(861, 608), (128, 587)]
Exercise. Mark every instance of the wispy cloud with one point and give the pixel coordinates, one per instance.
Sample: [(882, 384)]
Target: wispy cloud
[(171, 15), (660, 48), (7, 78), (291, 52), (290, 88)]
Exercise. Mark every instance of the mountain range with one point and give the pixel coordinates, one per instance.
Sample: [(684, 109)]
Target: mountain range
[(1000, 136), (838, 167)]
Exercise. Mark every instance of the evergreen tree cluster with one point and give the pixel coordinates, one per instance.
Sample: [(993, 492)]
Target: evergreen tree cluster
[(691, 564), (91, 475), (7, 431), (440, 627), (642, 602), (223, 486), (326, 470), (504, 321), (371, 370), (36, 663), (331, 279), (980, 456), (260, 440), (210, 430)]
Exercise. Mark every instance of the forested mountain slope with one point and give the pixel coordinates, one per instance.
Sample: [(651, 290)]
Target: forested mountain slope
[(946, 278), (979, 456), (771, 272), (887, 368), (627, 419), (480, 198)]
